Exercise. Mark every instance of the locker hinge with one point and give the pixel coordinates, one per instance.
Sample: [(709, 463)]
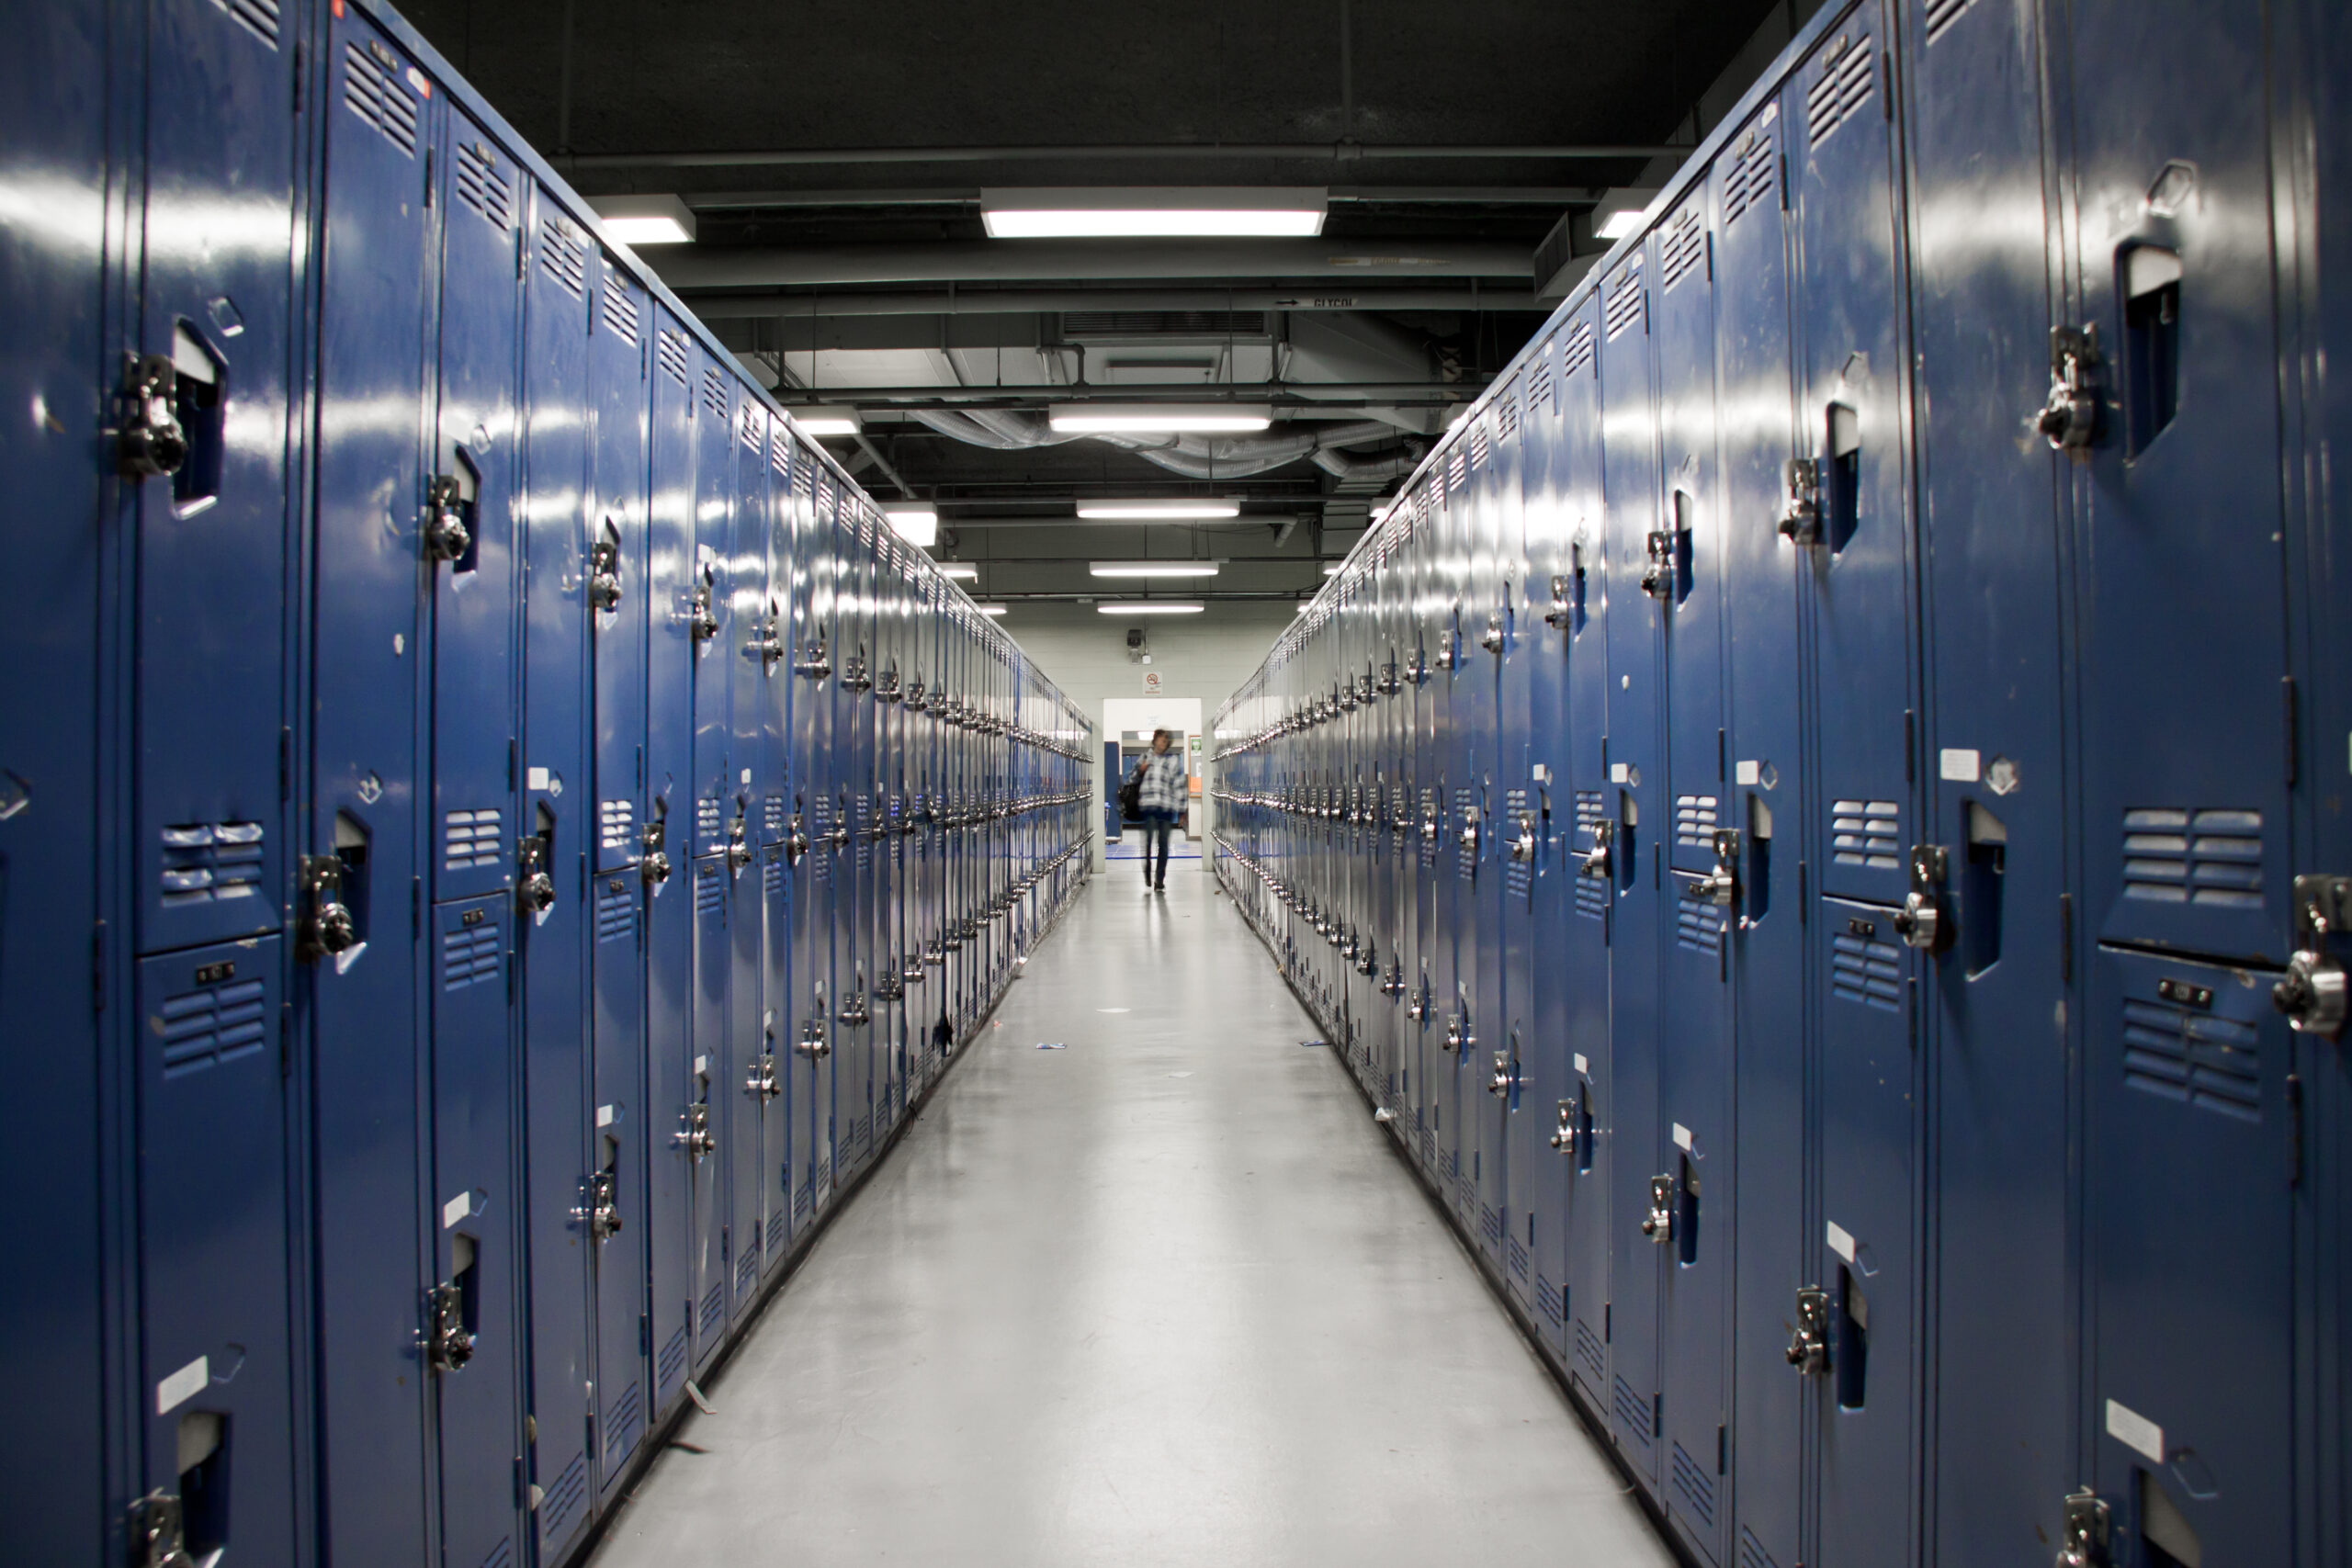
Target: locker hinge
[(285, 1040), (302, 72), (284, 762), (428, 179), (98, 967), (2065, 938), (2294, 1130), (2291, 721), (522, 1486)]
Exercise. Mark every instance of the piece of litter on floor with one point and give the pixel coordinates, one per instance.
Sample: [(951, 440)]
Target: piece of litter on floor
[(1384, 1115), (1180, 1075), (704, 1405), (1311, 1043), (1051, 1045)]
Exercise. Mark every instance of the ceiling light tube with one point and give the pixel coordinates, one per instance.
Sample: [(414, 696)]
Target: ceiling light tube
[(1149, 607), (990, 609), (1163, 419), (1331, 567), (1153, 567), (963, 571), (1154, 511), (1127, 212), (643, 219), (916, 523), (827, 421)]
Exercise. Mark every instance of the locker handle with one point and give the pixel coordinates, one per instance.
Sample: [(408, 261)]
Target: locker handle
[(151, 444), (447, 535)]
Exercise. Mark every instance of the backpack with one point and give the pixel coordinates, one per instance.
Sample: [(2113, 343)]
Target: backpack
[(1131, 793)]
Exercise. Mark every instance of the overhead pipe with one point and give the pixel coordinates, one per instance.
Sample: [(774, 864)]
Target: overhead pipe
[(695, 267), (1338, 151), (1015, 302), (1194, 457)]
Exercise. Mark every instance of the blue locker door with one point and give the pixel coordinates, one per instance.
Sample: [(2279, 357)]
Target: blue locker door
[(613, 547), (1514, 836), (472, 1334), (1579, 589), (370, 1248), (2185, 791), (756, 657), (219, 149), (664, 610), (1454, 906), (53, 124), (778, 775), (1426, 993), (1992, 558), (1850, 419), (1765, 806), (215, 1358), (561, 1142), (1637, 807), (852, 803), (1699, 895), (707, 1116), (807, 1022)]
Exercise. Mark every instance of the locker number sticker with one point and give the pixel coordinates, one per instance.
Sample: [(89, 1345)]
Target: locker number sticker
[(2136, 1431), (189, 1380)]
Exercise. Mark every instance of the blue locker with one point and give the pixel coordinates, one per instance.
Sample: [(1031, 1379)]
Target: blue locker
[(1635, 806), (778, 775), (1684, 577), (672, 1141), (854, 1074), (893, 640), (755, 643), (361, 885), (2186, 819), (1759, 556), (215, 1373), (1429, 996), (2002, 1007), (558, 792), (216, 316), (609, 538), (53, 102), (709, 612), (1485, 1058), (808, 857)]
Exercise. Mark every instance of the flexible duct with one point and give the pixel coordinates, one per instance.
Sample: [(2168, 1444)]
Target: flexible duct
[(1194, 457)]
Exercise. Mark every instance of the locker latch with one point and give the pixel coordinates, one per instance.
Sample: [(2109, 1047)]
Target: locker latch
[(157, 1536), (656, 863), (1491, 640), (702, 617), (2083, 1532), (815, 663), (854, 675), (915, 700), (795, 840), (1659, 1225), (1595, 862), (854, 1013), (534, 888), (1523, 844), (1808, 1349), (330, 928), (1390, 681), (447, 537), (1418, 1009), (2313, 993), (1920, 922), (812, 1042), (605, 574), (1660, 570), (910, 971), (1499, 1081), (448, 1344), (1562, 615), (1800, 511), (1393, 986), (600, 1207), (762, 1085), (1457, 1033), (1720, 885), (151, 444), (767, 639), (695, 1137), (2069, 419), (886, 688), (1368, 961), (1564, 1131)]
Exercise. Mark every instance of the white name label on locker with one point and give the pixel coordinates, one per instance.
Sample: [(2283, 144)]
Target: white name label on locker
[(1961, 767), (456, 1208), (1839, 1242), (1617, 772), (183, 1385), (1582, 1066), (1748, 773), (2134, 1431), (1683, 1137), (539, 778), (701, 1063), (606, 1115)]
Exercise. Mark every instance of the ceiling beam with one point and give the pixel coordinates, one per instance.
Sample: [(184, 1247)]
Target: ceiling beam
[(1010, 301), (1340, 154), (969, 196), (688, 269)]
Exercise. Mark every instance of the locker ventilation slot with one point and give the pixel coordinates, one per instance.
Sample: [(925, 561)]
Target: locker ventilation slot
[(801, 1204), (1751, 1552), (1517, 873), (563, 1498), (484, 189), (469, 958), (803, 484), (258, 17), (620, 310), (749, 429), (824, 1175), (501, 1555), (1547, 1300), (616, 823), (1698, 926), (1592, 892), (1684, 247), (672, 1366), (564, 255), (2208, 857), (205, 1029), (671, 350), (779, 453), (373, 93), (1577, 356), (1843, 86), (623, 1425), (707, 820), (615, 912), (205, 862), (1491, 1222), (1480, 447), (1694, 1488), (776, 1233), (1633, 1413), (772, 877), (714, 391), (1754, 168), (2210, 1063), (1506, 416), (1864, 970), (1515, 1256), (1458, 470), (469, 839), (1624, 308), (710, 889), (1466, 858), (714, 1309), (1942, 13), (1694, 820), (1866, 832), (747, 1267), (1588, 1352), (1538, 384)]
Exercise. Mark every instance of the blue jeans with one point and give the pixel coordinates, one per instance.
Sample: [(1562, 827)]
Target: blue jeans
[(1156, 828)]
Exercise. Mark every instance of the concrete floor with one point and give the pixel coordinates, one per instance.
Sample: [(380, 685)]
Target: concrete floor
[(1161, 1297)]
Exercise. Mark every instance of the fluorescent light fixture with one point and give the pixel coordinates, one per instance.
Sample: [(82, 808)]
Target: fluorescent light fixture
[(1331, 567), (990, 609), (824, 420), (1127, 212), (1304, 606), (1620, 210), (917, 524), (1148, 607), (963, 571), (1153, 567), (645, 220), (1163, 419), (1154, 511), (1617, 225)]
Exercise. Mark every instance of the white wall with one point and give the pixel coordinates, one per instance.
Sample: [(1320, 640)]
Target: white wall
[(1202, 657)]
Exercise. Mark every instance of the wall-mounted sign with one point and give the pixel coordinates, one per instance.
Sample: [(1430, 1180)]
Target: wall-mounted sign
[(1151, 682)]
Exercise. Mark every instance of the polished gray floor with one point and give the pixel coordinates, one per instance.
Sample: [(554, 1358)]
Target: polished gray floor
[(1161, 1297)]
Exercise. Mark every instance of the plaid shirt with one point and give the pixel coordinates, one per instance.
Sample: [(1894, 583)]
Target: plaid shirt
[(1164, 785)]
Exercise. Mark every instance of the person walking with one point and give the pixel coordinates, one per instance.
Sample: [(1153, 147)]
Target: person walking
[(1162, 793)]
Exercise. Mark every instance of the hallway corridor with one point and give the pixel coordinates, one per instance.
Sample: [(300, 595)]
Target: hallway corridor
[(1163, 1296)]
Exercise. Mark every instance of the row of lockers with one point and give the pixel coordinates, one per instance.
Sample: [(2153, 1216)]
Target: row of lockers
[(1820, 811), (496, 832)]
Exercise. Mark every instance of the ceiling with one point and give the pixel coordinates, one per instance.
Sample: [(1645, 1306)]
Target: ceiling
[(833, 155)]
